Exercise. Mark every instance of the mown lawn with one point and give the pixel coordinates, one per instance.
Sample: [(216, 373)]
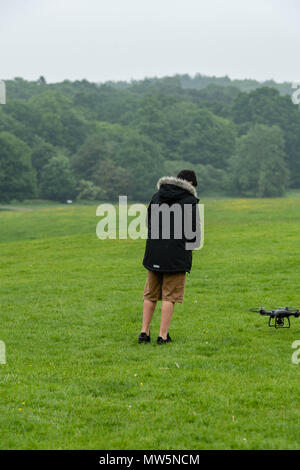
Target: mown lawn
[(71, 304)]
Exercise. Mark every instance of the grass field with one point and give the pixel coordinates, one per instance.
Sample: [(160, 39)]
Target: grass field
[(75, 376)]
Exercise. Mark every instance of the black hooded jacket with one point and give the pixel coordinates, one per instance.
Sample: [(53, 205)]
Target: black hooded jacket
[(168, 253)]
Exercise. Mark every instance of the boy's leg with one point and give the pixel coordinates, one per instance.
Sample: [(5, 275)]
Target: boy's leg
[(152, 293), (167, 309), (148, 310), (172, 291)]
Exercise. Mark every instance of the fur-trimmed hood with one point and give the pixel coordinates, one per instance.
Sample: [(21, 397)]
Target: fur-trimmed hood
[(183, 184)]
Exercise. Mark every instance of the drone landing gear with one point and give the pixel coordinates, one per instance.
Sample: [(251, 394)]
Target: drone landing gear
[(279, 322)]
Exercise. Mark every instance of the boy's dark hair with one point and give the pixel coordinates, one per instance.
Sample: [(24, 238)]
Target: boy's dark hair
[(188, 175)]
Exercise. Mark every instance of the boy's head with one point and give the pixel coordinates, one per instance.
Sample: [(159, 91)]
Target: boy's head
[(188, 175)]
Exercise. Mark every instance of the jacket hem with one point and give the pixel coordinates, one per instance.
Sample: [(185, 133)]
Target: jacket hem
[(166, 270)]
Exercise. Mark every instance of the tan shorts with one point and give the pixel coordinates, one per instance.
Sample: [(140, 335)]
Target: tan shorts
[(164, 286)]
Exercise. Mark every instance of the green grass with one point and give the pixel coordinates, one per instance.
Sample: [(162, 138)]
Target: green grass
[(71, 306)]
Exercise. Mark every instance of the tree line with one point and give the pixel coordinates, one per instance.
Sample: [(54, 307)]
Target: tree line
[(88, 141)]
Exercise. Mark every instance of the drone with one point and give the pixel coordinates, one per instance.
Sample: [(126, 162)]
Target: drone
[(277, 317)]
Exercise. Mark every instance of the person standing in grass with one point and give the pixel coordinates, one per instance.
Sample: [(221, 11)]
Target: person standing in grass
[(168, 254)]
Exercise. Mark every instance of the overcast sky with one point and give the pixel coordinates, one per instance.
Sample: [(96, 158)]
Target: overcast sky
[(123, 39)]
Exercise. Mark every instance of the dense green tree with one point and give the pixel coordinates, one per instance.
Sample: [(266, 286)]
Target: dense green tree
[(183, 130), (17, 177), (114, 179), (266, 106), (88, 191), (258, 168), (42, 152), (198, 136), (151, 119), (122, 136), (143, 160), (213, 93), (150, 86), (57, 181), (113, 147), (18, 117), (22, 89), (98, 147), (11, 125), (106, 103), (209, 139), (58, 122)]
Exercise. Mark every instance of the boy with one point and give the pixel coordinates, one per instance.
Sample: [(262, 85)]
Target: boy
[(168, 254)]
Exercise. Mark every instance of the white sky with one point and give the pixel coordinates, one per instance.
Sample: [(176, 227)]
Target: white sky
[(122, 39)]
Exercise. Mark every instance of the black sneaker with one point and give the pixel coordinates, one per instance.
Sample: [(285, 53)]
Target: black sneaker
[(160, 340), (144, 338), (169, 338)]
